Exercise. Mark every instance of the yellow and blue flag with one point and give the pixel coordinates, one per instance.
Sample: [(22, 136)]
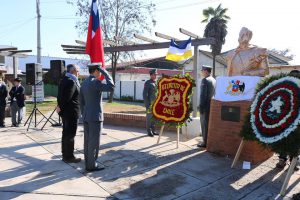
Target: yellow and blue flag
[(180, 52)]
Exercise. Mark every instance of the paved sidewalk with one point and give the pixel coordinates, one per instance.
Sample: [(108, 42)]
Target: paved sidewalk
[(136, 168)]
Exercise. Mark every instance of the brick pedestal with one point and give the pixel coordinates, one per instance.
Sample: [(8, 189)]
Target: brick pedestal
[(224, 136)]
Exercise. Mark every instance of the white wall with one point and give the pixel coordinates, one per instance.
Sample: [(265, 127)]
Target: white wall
[(205, 60), (131, 77), (283, 69), (127, 88), (139, 89)]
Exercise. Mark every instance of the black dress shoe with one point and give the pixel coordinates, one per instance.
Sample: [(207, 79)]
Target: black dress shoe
[(202, 145), (150, 134), (154, 133), (2, 126), (98, 168), (72, 160)]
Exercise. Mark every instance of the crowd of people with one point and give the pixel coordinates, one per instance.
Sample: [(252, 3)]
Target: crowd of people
[(85, 99), (17, 102)]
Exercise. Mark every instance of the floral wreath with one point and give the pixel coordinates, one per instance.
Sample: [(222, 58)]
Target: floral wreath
[(190, 106), (275, 111), (274, 116)]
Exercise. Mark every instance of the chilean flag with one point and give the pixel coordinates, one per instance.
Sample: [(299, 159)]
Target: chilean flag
[(94, 44)]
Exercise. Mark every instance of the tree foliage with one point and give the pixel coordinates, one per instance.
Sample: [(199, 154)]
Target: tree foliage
[(216, 27), (118, 18), (285, 52)]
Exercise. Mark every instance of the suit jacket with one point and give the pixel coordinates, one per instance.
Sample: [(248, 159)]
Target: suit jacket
[(149, 92), (208, 86), (3, 94), (68, 98), (91, 96), (18, 94)]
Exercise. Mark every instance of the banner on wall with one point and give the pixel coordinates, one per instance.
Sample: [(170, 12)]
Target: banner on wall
[(236, 88)]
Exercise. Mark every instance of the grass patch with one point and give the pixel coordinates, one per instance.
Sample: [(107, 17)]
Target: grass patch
[(114, 107), (125, 107), (44, 107)]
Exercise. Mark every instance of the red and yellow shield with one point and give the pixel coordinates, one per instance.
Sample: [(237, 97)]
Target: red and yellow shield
[(172, 102)]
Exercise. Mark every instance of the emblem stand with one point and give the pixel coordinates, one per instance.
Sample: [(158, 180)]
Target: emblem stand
[(161, 132)]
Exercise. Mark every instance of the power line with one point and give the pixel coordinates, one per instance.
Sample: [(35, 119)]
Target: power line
[(187, 5), (14, 29), (52, 2), (56, 18), (16, 22)]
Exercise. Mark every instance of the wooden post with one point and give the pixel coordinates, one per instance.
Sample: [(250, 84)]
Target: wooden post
[(288, 176), (177, 137), (161, 132), (195, 76), (238, 153)]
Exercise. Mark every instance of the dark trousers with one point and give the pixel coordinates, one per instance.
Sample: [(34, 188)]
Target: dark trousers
[(150, 123), (2, 115), (92, 133), (204, 117), (68, 135)]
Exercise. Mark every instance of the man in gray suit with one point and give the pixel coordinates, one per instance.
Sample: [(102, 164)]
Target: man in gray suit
[(92, 113), (208, 86)]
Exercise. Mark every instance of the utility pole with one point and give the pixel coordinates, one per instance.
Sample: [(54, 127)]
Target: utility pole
[(39, 48)]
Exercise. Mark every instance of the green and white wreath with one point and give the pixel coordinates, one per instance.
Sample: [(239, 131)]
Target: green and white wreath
[(274, 117)]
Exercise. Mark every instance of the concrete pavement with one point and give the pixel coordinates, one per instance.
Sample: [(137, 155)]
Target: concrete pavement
[(136, 168)]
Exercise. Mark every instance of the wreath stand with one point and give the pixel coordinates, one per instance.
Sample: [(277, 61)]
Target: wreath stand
[(288, 175), (238, 153), (161, 132)]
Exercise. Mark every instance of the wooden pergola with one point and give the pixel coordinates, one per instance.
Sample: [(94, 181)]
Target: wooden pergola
[(16, 54), (110, 47)]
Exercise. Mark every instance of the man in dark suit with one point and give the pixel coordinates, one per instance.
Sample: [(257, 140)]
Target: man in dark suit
[(17, 102), (3, 96), (149, 95), (69, 110), (208, 86), (92, 113)]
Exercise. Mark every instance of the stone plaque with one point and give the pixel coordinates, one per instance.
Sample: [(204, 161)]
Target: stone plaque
[(231, 113)]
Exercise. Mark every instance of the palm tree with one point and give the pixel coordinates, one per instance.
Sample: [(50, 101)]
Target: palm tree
[(216, 27)]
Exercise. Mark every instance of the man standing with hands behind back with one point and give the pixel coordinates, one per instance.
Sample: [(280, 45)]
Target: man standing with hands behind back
[(92, 113), (208, 86), (149, 95), (69, 110)]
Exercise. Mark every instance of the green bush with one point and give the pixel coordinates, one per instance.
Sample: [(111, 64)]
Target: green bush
[(126, 98)]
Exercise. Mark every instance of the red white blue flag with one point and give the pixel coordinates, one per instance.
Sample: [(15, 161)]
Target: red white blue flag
[(94, 44)]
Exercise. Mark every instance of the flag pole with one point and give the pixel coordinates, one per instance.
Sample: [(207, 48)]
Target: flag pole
[(39, 48)]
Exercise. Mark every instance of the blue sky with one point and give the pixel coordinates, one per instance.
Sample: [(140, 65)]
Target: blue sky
[(274, 23)]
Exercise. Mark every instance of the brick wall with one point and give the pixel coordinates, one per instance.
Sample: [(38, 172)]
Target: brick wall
[(223, 136), (121, 119)]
